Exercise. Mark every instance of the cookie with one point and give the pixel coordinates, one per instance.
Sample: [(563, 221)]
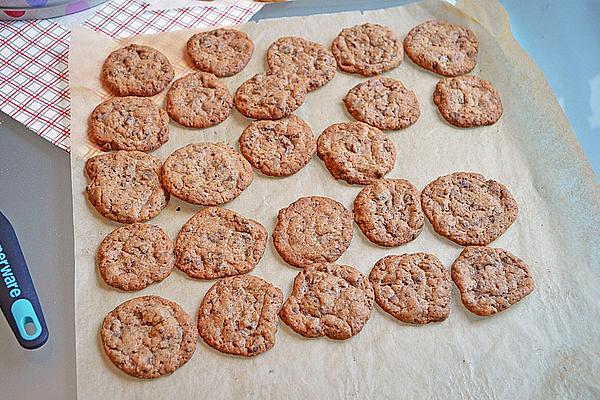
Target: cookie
[(270, 95), (136, 70), (206, 174), (468, 209), (490, 280), (148, 337), (356, 152), (302, 57), (368, 49), (129, 123), (441, 47), (238, 315), (383, 103), (388, 212), (134, 256), (199, 100), (328, 300), (413, 288), (278, 148), (467, 101), (125, 186), (312, 230), (222, 52), (216, 242)]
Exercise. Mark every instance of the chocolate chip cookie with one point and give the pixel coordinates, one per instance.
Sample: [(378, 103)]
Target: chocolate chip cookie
[(199, 100), (238, 315), (270, 95), (388, 212), (467, 101), (441, 47), (278, 148), (328, 300), (148, 337), (129, 123), (356, 152), (216, 242), (207, 174), (137, 70), (468, 209), (125, 186), (413, 288), (490, 280), (134, 256), (368, 49), (302, 57), (222, 52), (312, 230), (384, 103)]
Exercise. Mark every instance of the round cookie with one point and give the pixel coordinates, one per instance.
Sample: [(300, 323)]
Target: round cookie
[(134, 256), (388, 212), (278, 148), (199, 100), (125, 186), (467, 101), (312, 230), (329, 300), (302, 57), (368, 49), (222, 52), (270, 95), (148, 337), (413, 288), (129, 123), (238, 315), (441, 47), (383, 103), (356, 152), (468, 209), (206, 174), (490, 280), (137, 70), (216, 242)]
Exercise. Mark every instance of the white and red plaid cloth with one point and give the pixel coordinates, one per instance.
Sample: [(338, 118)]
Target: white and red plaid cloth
[(34, 77)]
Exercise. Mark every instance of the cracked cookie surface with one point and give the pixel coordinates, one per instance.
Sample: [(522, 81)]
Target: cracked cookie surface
[(222, 52)]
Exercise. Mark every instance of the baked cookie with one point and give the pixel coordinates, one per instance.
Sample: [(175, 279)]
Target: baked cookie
[(302, 57), (125, 186), (356, 152), (148, 337), (368, 49), (223, 52), (278, 148), (328, 300), (384, 103), (468, 209), (467, 101), (271, 95), (238, 315), (199, 100), (413, 288), (441, 47), (134, 256), (312, 230), (490, 280), (216, 242), (136, 70), (388, 212), (207, 174), (129, 123)]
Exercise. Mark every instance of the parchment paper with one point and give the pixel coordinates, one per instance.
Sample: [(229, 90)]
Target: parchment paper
[(544, 347)]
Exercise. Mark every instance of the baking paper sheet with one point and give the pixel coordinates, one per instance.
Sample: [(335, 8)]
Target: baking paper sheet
[(546, 346)]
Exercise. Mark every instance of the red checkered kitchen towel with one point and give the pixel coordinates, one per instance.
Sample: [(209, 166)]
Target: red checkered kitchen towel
[(34, 77)]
